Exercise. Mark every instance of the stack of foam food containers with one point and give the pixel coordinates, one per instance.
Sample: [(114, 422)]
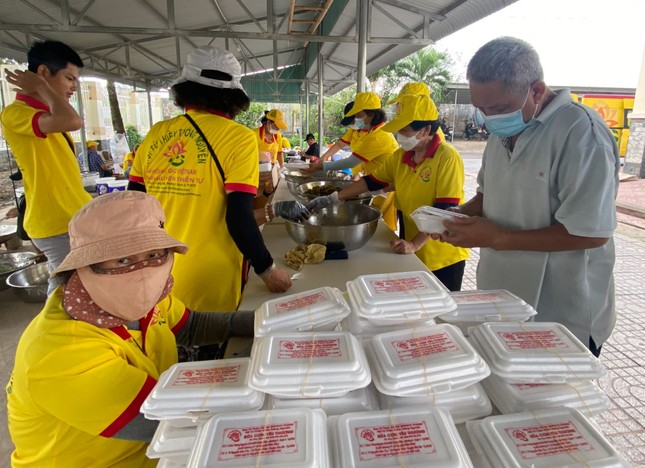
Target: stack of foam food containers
[(294, 437), (477, 307), (308, 365), (399, 298), (410, 437), (430, 219), (543, 438), (319, 309), (191, 392), (433, 365), (538, 365)]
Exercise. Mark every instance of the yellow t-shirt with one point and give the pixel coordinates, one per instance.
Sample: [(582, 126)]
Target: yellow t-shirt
[(274, 147), (371, 146), (75, 385), (128, 159), (53, 185), (176, 167), (438, 179)]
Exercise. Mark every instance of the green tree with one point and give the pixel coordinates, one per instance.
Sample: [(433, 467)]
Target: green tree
[(251, 117), (427, 65), (132, 135)]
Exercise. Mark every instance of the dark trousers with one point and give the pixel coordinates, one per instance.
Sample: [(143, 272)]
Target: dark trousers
[(595, 350), (451, 275)]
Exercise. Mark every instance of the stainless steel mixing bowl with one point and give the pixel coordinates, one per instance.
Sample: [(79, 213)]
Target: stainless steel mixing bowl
[(13, 261), (294, 178), (303, 197), (30, 284), (341, 227)]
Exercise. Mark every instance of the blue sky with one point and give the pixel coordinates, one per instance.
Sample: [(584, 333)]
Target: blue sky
[(580, 42)]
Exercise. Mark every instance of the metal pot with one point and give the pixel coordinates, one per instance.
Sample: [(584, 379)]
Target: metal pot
[(11, 262), (294, 178), (341, 227), (30, 284), (303, 197)]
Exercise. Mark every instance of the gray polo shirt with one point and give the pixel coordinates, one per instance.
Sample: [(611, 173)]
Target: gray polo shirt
[(563, 169)]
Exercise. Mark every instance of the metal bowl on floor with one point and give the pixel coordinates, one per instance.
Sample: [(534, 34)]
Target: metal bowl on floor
[(340, 227), (307, 192), (11, 262), (30, 284)]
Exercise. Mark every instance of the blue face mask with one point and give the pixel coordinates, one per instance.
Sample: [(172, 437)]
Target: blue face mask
[(359, 123), (504, 125)]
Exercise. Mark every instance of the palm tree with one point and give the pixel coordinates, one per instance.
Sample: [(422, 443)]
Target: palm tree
[(427, 65)]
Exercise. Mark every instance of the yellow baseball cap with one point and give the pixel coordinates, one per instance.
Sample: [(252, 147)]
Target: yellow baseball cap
[(364, 101), (91, 143), (277, 117), (414, 88), (412, 108)]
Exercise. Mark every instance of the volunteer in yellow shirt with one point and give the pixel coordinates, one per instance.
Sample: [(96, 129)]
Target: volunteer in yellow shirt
[(203, 167), (89, 359), (269, 136), (128, 160), (424, 171), (35, 126), (370, 146)]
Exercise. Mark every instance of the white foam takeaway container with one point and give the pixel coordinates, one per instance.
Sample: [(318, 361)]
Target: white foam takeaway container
[(423, 437), (479, 306), (317, 309), (363, 328), (308, 365), (534, 352), (430, 219), (363, 399), (424, 360), (173, 444), (388, 299), (192, 391), (583, 395), (463, 405), (555, 437), (294, 437)]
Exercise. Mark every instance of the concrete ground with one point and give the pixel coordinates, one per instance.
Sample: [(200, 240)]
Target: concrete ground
[(623, 355)]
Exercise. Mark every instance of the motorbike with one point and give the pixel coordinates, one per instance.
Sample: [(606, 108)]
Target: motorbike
[(447, 131), (471, 130)]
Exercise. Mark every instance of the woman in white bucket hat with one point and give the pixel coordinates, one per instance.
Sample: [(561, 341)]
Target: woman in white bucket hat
[(90, 358)]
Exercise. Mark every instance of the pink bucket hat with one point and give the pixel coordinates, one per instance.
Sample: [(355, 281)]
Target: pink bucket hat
[(117, 225)]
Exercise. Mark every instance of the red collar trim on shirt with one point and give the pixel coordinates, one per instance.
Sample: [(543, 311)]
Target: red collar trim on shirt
[(33, 102), (430, 152), (210, 111), (273, 137)]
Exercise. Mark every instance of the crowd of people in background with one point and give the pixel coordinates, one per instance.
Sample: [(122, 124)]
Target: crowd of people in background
[(134, 275)]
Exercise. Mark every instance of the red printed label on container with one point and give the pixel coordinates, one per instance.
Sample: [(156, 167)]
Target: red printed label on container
[(300, 303), (479, 298), (255, 441), (532, 339), (548, 440), (424, 346), (229, 374), (528, 386), (398, 285), (379, 442), (307, 349)]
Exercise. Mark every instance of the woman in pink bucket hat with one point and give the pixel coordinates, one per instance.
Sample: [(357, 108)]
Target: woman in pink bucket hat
[(90, 358)]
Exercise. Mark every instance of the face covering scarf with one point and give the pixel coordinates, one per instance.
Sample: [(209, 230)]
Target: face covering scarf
[(117, 296)]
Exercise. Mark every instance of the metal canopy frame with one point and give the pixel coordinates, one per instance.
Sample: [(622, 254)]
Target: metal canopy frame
[(278, 42)]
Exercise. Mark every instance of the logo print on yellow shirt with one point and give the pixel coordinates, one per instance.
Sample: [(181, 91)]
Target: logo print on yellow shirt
[(425, 175), (176, 154)]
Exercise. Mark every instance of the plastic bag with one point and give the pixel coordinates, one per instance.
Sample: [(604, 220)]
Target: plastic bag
[(118, 149)]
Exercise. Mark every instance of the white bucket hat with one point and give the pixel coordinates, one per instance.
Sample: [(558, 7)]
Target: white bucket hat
[(211, 58)]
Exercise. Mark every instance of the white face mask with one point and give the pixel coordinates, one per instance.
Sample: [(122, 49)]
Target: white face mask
[(272, 130), (131, 295), (407, 143)]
